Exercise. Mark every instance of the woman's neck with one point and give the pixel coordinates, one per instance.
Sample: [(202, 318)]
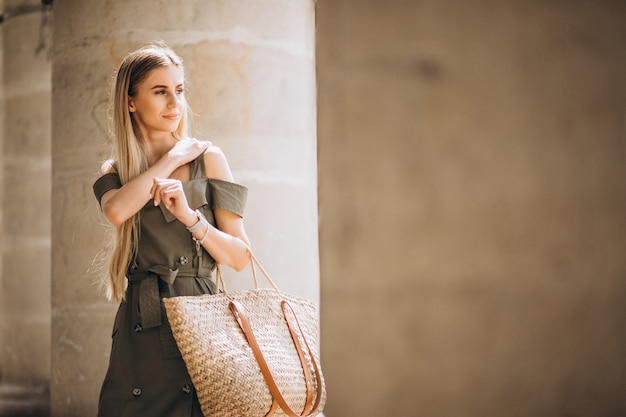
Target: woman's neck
[(158, 145)]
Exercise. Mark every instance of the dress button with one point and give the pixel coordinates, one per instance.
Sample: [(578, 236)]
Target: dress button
[(136, 392), (186, 388), (183, 260), (138, 328)]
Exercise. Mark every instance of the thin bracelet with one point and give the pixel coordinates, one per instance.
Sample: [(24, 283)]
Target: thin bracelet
[(200, 242)]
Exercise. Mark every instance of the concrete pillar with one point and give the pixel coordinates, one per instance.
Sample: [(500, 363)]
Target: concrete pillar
[(473, 227), (25, 212), (251, 76)]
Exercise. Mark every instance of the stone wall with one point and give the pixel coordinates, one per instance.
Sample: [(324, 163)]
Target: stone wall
[(472, 207)]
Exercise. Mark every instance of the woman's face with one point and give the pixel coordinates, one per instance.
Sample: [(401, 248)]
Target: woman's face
[(158, 103)]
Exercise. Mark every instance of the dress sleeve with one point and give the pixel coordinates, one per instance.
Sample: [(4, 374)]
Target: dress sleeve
[(228, 196), (106, 183)]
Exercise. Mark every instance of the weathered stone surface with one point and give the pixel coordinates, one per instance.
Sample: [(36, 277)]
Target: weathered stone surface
[(24, 400), (25, 215)]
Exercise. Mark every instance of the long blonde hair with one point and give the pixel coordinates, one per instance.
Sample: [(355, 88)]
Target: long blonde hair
[(130, 152)]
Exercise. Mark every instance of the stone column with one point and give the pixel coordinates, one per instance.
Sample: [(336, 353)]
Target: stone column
[(25, 211), (472, 157), (251, 76)]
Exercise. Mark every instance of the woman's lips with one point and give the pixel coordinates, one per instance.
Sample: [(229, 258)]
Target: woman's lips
[(172, 116)]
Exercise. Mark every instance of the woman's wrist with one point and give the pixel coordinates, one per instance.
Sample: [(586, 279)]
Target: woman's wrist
[(173, 160), (200, 241), (199, 229), (193, 220)]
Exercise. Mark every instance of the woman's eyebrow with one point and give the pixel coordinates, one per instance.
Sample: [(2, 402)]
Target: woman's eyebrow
[(164, 86)]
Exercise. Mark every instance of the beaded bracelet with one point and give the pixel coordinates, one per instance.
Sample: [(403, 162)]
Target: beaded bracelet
[(197, 225)]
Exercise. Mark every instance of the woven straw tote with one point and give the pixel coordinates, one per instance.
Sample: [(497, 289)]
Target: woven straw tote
[(250, 353)]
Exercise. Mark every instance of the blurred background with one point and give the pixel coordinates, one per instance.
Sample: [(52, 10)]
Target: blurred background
[(446, 178), (472, 165)]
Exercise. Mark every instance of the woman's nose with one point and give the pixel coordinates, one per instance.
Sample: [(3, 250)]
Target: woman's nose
[(174, 100)]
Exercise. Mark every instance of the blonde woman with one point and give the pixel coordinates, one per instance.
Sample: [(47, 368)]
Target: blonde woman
[(176, 212)]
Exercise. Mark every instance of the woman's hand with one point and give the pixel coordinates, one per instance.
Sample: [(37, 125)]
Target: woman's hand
[(170, 193), (187, 149), (118, 205)]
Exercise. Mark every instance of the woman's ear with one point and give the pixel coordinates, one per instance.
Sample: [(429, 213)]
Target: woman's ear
[(131, 105)]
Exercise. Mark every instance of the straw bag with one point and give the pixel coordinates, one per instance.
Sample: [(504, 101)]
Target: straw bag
[(250, 353)]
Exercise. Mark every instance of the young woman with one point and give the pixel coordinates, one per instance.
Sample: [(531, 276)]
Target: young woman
[(176, 212)]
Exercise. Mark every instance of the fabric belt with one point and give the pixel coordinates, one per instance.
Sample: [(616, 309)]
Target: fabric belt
[(149, 299)]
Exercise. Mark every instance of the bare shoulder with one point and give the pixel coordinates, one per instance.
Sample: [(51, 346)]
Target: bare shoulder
[(108, 167), (216, 165)]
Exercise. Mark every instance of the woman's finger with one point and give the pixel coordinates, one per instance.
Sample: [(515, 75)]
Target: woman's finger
[(157, 187), (171, 191), (154, 191), (166, 190)]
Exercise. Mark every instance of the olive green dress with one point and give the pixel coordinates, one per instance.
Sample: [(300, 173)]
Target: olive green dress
[(146, 375)]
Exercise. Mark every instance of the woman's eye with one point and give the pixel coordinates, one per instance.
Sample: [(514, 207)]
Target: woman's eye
[(180, 91), (160, 92)]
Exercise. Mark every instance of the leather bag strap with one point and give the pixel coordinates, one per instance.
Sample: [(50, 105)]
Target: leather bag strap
[(296, 341), (242, 319)]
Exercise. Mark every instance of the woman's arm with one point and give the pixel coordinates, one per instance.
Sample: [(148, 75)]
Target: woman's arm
[(228, 223), (118, 205), (227, 243)]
